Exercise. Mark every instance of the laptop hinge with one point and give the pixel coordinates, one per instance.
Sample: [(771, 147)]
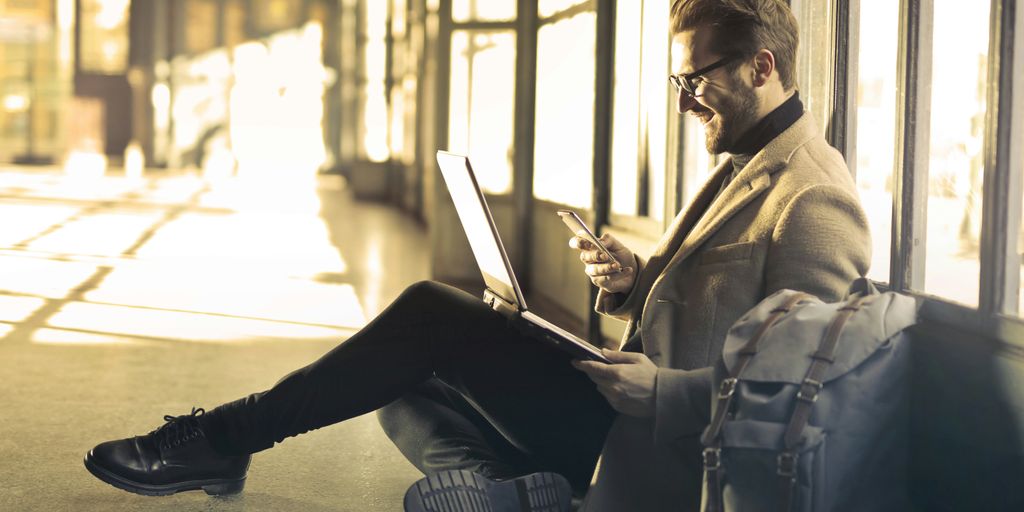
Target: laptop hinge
[(499, 304)]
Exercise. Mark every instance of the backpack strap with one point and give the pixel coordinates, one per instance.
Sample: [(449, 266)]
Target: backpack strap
[(711, 437), (807, 395)]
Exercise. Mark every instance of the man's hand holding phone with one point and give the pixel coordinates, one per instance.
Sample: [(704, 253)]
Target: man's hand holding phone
[(611, 276)]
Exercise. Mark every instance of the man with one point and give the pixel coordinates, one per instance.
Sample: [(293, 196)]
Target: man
[(457, 388), (780, 212)]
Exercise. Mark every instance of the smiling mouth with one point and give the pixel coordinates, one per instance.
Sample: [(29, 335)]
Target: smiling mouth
[(705, 117)]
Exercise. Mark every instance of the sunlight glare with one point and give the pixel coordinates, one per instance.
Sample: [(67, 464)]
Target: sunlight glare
[(48, 336), (185, 326), (16, 309)]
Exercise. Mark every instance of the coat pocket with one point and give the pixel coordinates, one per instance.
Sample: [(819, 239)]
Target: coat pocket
[(728, 252)]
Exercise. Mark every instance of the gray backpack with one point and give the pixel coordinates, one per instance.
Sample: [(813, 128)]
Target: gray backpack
[(811, 407)]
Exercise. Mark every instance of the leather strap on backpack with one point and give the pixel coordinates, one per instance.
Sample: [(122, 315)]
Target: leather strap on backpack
[(711, 438), (805, 398)]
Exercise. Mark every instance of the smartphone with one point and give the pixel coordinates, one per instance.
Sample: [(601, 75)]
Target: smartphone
[(578, 228)]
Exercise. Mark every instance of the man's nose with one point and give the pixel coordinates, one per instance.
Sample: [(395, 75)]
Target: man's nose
[(684, 101)]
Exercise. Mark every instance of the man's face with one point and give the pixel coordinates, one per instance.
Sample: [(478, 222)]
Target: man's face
[(725, 104)]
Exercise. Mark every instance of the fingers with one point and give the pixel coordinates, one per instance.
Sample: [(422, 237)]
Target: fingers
[(595, 256), (602, 269), (581, 244), (598, 372), (618, 356)]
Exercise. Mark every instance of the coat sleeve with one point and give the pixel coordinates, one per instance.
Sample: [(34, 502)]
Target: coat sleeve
[(820, 244), (681, 404), (620, 305)]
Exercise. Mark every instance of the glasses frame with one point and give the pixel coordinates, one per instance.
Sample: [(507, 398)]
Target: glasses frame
[(684, 81)]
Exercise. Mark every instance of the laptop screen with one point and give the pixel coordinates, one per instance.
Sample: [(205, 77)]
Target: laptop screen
[(479, 226)]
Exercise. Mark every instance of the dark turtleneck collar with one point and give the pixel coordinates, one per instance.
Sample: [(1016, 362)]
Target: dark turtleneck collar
[(759, 135)]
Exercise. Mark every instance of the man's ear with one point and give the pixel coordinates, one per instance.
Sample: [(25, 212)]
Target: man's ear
[(764, 65)]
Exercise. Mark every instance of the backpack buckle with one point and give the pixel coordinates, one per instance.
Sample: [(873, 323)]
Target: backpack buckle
[(712, 459), (728, 387), (809, 390), (786, 464)]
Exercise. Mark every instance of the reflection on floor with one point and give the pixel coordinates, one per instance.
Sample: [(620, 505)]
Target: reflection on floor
[(122, 300)]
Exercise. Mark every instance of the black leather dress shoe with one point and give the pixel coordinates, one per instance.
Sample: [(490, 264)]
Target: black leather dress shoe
[(465, 491), (173, 458)]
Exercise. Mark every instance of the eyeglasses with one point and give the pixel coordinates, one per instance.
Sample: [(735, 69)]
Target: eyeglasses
[(690, 81)]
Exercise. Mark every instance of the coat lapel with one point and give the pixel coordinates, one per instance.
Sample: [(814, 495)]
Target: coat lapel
[(753, 180)]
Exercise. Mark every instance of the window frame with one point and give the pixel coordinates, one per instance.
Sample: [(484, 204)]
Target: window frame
[(643, 223), (997, 316)]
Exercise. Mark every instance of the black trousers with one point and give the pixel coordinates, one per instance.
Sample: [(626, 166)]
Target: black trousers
[(455, 387)]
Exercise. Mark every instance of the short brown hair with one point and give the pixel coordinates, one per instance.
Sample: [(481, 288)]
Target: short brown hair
[(742, 27)]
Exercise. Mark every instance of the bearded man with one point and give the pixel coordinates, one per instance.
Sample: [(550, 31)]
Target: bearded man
[(457, 388)]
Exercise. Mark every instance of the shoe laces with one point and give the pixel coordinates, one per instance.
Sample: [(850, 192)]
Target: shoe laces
[(178, 430)]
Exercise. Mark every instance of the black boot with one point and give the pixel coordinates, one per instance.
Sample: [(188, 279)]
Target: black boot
[(464, 491), (175, 457)]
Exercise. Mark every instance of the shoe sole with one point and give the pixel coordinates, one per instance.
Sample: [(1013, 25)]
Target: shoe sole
[(213, 487), (465, 491)]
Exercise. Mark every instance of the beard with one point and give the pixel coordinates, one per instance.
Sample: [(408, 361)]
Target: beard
[(731, 120)]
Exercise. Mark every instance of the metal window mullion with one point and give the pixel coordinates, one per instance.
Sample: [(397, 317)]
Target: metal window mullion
[(523, 136), (604, 78), (484, 26), (1000, 274), (913, 101), (844, 104), (444, 66)]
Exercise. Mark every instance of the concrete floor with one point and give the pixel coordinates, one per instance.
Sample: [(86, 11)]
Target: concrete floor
[(122, 300)]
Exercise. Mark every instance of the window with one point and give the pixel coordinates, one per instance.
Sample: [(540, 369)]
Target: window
[(483, 10), (876, 124), (234, 23), (815, 56), (200, 25), (104, 36), (625, 152), (548, 8), (482, 102), (641, 109), (955, 159), (564, 115), (1020, 244), (374, 107)]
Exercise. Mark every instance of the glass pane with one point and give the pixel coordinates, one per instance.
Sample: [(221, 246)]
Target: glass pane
[(200, 25), (375, 109), (564, 120), (626, 109), (481, 104), (697, 162), (1020, 245), (483, 10), (234, 23), (876, 124), (104, 36), (550, 7), (956, 160), (655, 101), (35, 80), (815, 57)]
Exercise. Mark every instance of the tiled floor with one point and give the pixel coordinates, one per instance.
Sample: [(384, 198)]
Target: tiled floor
[(123, 300)]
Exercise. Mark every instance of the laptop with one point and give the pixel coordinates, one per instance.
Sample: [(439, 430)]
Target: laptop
[(502, 291)]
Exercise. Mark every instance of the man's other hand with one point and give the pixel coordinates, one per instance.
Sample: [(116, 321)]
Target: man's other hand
[(627, 383), (612, 277)]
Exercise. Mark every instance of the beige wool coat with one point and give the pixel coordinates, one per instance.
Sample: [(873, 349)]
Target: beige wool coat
[(790, 219)]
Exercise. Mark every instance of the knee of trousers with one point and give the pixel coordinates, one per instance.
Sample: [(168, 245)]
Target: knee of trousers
[(425, 294), (391, 419)]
